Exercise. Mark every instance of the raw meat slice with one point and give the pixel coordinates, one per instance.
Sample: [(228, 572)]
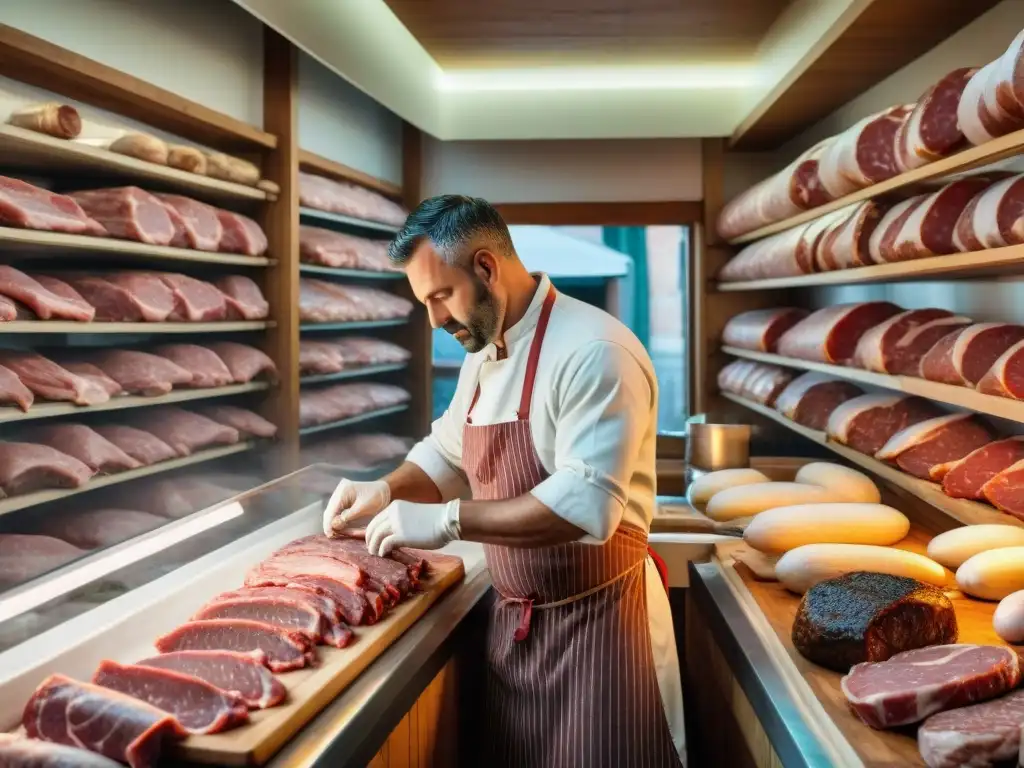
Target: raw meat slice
[(882, 615), (60, 288), (48, 380), (113, 303), (313, 565), (184, 431), (344, 400), (922, 446), (349, 199), (877, 348), (965, 478), (44, 303), (353, 604), (91, 373), (811, 398), (24, 556), (86, 445), (76, 714), (322, 357), (340, 250), (129, 213), (201, 228), (932, 130), (357, 350), (95, 528), (760, 329), (848, 244), (143, 447), (18, 752), (293, 615), (10, 310), (285, 650), (26, 467), (1005, 491), (928, 231), (243, 673), (199, 707), (965, 356), (206, 368), (140, 373), (13, 391), (29, 207), (908, 352), (830, 335), (244, 298), (248, 423), (195, 301), (863, 154), (1006, 376), (979, 735), (241, 234), (244, 361), (882, 244), (866, 423), (393, 575), (910, 686)]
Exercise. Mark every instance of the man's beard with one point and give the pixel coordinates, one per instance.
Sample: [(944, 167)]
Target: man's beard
[(482, 326)]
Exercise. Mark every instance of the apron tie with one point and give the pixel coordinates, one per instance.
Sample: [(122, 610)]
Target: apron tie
[(660, 565)]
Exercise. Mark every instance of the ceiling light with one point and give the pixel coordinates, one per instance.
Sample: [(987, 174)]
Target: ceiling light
[(681, 78)]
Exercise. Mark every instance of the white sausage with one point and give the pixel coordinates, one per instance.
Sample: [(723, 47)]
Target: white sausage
[(750, 500), (803, 567), (850, 484), (1008, 619), (953, 548), (703, 488), (994, 574), (785, 528)]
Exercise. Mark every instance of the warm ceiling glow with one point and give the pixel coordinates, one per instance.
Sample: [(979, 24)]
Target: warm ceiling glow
[(680, 78)]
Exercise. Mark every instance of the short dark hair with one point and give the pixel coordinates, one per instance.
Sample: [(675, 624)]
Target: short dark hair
[(448, 221)]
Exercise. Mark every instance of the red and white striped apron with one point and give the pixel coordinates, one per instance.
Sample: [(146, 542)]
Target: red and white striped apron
[(571, 674)]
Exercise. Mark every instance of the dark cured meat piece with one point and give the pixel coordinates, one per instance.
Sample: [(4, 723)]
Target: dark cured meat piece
[(867, 423), (928, 231), (877, 347), (964, 357), (760, 329), (932, 131), (909, 351), (811, 398), (949, 439), (965, 478), (870, 617), (1005, 491), (830, 335), (1006, 376)]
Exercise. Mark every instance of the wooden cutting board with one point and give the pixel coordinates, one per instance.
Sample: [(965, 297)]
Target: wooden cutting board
[(310, 690)]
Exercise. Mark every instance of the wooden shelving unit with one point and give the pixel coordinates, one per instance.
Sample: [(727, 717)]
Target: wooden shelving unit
[(329, 220), (348, 274), (351, 420), (69, 327), (360, 371), (355, 325)]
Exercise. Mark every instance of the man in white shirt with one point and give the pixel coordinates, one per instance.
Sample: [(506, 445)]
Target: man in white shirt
[(553, 427)]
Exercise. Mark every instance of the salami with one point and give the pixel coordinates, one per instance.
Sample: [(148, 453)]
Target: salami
[(877, 348), (921, 446), (863, 154), (963, 357), (847, 245), (810, 399), (882, 244), (1005, 491), (760, 329), (965, 478), (866, 423), (932, 130), (830, 335), (1006, 376), (906, 355), (928, 230)]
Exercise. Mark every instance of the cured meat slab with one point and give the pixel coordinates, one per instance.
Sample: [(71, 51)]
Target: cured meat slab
[(881, 350), (964, 357), (866, 423), (760, 329), (811, 398), (919, 449), (831, 335), (965, 478)]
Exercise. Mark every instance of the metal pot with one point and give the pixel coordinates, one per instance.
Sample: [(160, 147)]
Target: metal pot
[(711, 447)]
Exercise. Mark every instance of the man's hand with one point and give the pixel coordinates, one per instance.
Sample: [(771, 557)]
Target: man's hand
[(405, 524), (352, 501)]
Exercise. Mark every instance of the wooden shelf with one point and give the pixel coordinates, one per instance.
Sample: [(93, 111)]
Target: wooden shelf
[(961, 510), (967, 160), (960, 397), (352, 373), (70, 327), (352, 420), (14, 503), (40, 411), (997, 261), (355, 325), (344, 223), (20, 243), (314, 163), (353, 274), (21, 148)]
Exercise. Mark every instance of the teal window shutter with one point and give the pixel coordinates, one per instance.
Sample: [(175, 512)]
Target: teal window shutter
[(632, 241)]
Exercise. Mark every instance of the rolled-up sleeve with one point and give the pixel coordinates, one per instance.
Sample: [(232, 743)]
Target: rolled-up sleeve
[(439, 454), (604, 410)]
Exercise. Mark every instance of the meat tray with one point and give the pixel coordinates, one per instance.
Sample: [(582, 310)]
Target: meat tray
[(123, 629)]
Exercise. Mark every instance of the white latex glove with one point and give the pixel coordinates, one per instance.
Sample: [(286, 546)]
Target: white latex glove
[(352, 501), (405, 524)]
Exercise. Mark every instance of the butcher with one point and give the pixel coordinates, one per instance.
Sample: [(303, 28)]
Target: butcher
[(546, 456)]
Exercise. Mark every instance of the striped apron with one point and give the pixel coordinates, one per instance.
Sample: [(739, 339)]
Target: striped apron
[(571, 675)]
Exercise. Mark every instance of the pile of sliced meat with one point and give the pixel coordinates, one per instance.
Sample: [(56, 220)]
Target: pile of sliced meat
[(759, 382), (356, 452), (94, 377), (327, 404), (321, 301), (131, 213), (335, 355), (328, 248), (212, 671), (348, 199)]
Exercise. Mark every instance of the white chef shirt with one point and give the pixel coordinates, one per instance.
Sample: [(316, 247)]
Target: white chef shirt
[(593, 415)]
